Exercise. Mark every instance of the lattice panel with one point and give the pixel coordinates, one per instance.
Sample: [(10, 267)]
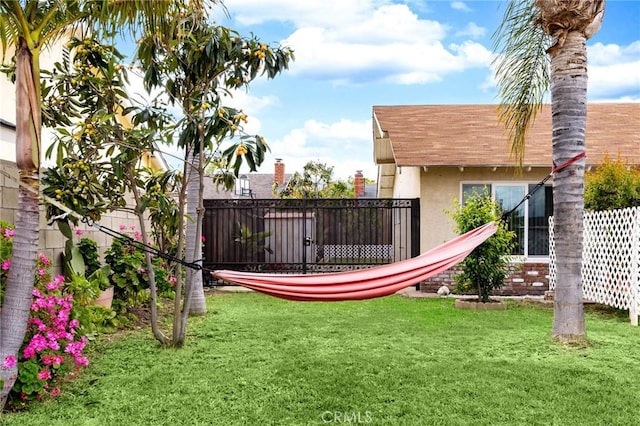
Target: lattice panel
[(611, 257), (356, 251)]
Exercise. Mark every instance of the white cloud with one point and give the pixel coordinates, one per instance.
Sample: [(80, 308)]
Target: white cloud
[(601, 54), (614, 71), (460, 5), (472, 30), (616, 79), (329, 56), (250, 105), (363, 41), (345, 144), (301, 13)]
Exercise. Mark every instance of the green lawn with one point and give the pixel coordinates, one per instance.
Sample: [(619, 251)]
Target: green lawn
[(256, 360)]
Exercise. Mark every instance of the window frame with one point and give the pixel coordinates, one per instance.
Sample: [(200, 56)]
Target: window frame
[(525, 185)]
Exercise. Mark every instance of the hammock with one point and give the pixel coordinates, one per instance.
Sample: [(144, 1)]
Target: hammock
[(364, 283)]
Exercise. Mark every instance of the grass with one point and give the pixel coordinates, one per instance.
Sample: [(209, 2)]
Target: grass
[(256, 360)]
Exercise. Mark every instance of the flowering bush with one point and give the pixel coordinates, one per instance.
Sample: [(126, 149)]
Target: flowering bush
[(129, 272), (6, 247), (51, 347)]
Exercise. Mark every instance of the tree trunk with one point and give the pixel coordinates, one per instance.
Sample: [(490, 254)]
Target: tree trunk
[(569, 112), (193, 239), (18, 292), (153, 288)]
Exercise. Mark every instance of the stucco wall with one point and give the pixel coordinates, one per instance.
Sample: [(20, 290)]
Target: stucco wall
[(440, 186), (407, 182)]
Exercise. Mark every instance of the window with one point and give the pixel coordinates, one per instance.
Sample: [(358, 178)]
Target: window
[(530, 221), (242, 186)]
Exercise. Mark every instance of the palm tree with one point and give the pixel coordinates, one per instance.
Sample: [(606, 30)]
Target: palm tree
[(531, 30), (26, 28)]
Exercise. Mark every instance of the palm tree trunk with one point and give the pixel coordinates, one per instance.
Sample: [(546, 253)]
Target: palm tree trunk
[(569, 110), (18, 293), (193, 253)]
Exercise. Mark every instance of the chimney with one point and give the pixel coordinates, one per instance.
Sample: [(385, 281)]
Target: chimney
[(278, 173), (359, 184)]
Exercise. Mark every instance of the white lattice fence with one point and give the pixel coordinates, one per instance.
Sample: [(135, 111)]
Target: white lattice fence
[(610, 259)]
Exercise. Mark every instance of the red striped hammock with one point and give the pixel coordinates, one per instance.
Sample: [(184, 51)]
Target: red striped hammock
[(364, 283)]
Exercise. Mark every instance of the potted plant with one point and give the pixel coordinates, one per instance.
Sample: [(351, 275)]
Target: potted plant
[(485, 269)]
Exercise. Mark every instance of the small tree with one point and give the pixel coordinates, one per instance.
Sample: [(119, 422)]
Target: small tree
[(612, 185), (488, 265), (316, 181)]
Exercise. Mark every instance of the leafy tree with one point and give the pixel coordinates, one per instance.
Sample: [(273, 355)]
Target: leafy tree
[(531, 30), (196, 63), (98, 157), (485, 269), (316, 181), (27, 27), (612, 185)]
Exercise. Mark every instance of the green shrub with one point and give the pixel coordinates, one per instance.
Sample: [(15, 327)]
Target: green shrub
[(129, 274), (89, 251), (612, 185), (488, 265)]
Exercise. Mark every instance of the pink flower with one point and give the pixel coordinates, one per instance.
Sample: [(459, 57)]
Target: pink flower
[(79, 232), (74, 323), (132, 227), (52, 286), (44, 375), (57, 360), (55, 392), (38, 343), (42, 271), (82, 360), (9, 233), (137, 236), (9, 362), (122, 227), (29, 352), (203, 239), (6, 265), (141, 270), (54, 345), (45, 261), (173, 280)]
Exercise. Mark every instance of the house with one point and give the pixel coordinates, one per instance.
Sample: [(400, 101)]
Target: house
[(249, 185), (269, 185), (439, 153), (362, 189)]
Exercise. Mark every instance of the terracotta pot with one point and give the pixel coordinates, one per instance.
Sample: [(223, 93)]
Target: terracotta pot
[(494, 305), (106, 298)]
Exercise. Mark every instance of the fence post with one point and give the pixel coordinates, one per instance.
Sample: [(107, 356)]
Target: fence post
[(635, 269)]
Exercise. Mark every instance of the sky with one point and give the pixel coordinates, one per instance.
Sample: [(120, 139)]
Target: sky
[(354, 54)]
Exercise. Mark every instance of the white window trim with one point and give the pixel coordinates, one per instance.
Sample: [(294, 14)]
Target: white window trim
[(518, 257)]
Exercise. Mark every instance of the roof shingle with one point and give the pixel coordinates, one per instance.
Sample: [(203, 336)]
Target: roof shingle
[(471, 135)]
